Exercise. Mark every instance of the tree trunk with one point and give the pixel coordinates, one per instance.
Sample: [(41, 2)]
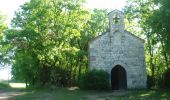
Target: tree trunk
[(149, 38), (164, 51), (26, 82), (79, 70)]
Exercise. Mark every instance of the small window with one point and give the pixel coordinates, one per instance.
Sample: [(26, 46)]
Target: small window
[(116, 19)]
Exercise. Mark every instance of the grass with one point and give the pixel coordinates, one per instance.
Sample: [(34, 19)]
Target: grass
[(17, 85), (65, 94), (77, 94), (12, 85), (52, 94), (158, 94), (4, 85)]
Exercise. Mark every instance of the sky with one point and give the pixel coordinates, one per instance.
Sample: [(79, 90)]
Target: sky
[(8, 8)]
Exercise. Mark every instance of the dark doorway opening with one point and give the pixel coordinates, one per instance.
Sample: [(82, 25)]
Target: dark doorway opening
[(118, 78)]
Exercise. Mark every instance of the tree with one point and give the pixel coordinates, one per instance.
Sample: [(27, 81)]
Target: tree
[(3, 27), (152, 18), (49, 41)]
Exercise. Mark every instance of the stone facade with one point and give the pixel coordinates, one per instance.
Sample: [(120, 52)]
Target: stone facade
[(119, 47)]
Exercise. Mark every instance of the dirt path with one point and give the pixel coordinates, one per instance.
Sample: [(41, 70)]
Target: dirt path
[(8, 93)]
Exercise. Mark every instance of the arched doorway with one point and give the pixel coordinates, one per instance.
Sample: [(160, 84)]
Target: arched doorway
[(118, 78)]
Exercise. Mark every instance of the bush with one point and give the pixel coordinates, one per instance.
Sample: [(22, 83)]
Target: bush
[(150, 82), (60, 77), (167, 78), (94, 80), (4, 85)]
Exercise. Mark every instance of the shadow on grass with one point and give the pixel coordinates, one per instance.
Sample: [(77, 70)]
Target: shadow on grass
[(158, 94), (59, 94), (51, 94), (15, 92), (75, 94)]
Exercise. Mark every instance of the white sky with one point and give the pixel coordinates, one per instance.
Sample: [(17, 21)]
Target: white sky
[(110, 4), (5, 74), (8, 7)]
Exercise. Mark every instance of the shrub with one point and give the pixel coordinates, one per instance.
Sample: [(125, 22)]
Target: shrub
[(60, 77), (4, 85), (150, 81), (167, 78), (94, 80), (160, 81)]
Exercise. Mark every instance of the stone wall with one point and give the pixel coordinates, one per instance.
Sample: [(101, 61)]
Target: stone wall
[(119, 48)]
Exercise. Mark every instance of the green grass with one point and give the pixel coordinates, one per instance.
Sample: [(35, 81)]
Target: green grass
[(71, 94), (65, 94), (4, 85), (158, 94), (53, 94)]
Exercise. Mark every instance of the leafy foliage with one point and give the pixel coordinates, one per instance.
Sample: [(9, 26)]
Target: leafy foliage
[(4, 85), (152, 17), (95, 80), (167, 79), (48, 42), (150, 82), (3, 27)]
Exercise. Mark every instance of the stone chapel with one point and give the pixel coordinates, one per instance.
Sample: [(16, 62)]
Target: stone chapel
[(120, 53)]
